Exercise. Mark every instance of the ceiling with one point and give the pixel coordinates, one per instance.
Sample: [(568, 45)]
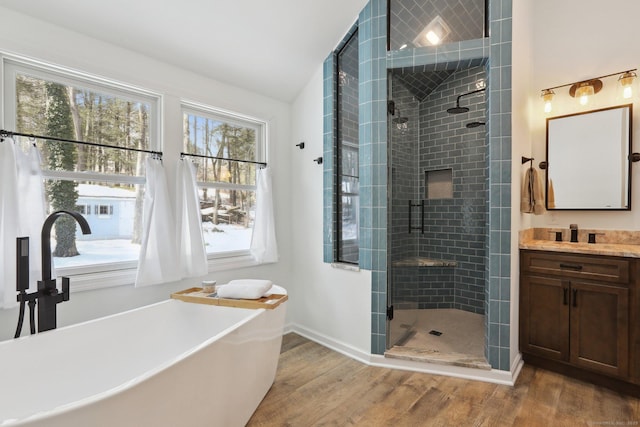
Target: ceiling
[(268, 47)]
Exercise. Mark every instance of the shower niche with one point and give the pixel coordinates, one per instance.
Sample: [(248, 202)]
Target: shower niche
[(437, 160), (438, 184)]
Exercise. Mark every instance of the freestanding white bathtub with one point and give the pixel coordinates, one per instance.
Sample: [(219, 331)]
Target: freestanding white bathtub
[(168, 364)]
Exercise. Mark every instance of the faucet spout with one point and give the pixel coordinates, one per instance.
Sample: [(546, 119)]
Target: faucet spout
[(46, 238), (574, 233)]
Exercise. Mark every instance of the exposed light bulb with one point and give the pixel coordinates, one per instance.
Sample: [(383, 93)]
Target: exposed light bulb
[(626, 81), (584, 92), (404, 46), (547, 97), (433, 37)]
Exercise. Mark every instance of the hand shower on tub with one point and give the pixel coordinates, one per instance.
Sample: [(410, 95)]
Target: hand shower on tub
[(22, 285)]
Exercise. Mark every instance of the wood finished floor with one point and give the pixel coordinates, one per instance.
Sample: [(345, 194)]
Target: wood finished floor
[(316, 386)]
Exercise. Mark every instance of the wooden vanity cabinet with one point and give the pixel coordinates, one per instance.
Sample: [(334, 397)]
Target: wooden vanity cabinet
[(577, 310)]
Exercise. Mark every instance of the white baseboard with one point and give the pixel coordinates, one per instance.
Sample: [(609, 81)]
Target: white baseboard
[(493, 376), (334, 345)]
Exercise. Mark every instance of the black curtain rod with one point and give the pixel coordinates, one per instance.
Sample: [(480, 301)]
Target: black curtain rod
[(222, 158), (6, 133)]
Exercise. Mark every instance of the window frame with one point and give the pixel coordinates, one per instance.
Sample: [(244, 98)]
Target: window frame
[(339, 143), (91, 276), (242, 257)]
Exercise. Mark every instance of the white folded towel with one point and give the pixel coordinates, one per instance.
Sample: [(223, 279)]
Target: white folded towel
[(244, 289)]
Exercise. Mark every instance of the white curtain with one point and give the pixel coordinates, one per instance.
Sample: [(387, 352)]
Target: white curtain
[(264, 247), (191, 252), (32, 208), (22, 213), (158, 255)]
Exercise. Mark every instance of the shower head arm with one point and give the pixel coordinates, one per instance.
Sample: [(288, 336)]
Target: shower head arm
[(467, 94)]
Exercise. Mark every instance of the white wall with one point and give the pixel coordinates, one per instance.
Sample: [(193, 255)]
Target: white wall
[(575, 40), (24, 36), (330, 304)]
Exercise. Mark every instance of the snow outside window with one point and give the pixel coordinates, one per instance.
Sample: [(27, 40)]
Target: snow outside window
[(105, 185), (227, 189)]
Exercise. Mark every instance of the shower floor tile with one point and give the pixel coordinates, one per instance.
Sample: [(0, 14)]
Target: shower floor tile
[(460, 341)]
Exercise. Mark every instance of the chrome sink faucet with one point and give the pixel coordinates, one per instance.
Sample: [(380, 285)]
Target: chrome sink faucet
[(574, 233)]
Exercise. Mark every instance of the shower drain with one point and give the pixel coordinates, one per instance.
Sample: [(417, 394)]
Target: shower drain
[(434, 332)]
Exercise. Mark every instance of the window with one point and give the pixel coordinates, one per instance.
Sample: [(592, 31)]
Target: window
[(104, 210), (347, 181), (106, 185), (227, 188)]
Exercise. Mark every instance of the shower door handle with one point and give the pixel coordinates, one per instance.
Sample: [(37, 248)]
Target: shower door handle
[(422, 217), (411, 206)]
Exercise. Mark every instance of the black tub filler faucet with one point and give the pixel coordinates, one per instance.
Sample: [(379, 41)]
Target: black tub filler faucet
[(47, 295)]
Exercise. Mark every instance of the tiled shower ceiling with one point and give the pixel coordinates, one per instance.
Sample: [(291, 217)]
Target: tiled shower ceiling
[(421, 84), (424, 79), (408, 18)]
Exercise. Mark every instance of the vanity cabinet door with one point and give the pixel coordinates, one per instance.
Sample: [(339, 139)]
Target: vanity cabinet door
[(544, 317), (600, 328)]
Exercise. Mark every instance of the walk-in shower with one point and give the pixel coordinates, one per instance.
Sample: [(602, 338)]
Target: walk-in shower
[(437, 224)]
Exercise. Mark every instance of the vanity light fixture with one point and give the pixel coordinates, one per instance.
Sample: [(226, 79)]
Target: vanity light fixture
[(626, 82), (585, 89), (547, 97)]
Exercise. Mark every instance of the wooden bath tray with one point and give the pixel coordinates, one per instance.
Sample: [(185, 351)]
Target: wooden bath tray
[(196, 295)]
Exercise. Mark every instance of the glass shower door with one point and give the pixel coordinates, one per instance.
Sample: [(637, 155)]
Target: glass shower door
[(402, 194)]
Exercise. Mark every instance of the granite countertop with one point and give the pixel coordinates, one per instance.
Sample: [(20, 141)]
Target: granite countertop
[(609, 242)]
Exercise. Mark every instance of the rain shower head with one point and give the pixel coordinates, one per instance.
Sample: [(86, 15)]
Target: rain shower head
[(458, 109), (475, 124)]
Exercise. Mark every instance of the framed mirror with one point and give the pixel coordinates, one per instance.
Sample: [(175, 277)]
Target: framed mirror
[(588, 166)]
